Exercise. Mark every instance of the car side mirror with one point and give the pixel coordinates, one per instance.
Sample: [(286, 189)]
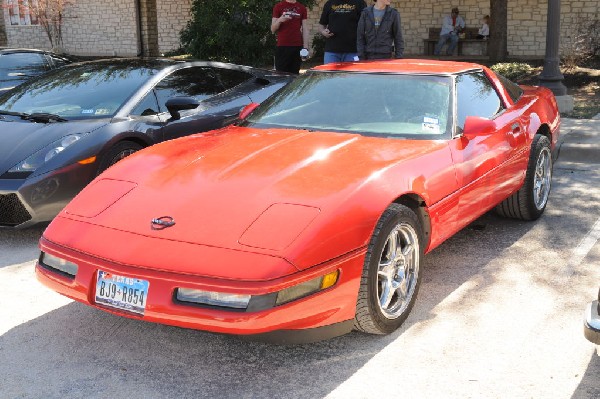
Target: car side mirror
[(177, 104), (477, 126), (244, 112)]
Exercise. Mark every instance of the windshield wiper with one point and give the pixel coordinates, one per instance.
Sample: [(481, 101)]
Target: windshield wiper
[(43, 117)]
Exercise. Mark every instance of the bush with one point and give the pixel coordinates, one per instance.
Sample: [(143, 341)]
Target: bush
[(581, 44), (513, 70), (236, 31)]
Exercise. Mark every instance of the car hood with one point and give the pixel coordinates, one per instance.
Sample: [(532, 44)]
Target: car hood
[(262, 191), (20, 139)]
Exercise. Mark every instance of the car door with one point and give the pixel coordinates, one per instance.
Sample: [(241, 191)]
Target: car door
[(483, 163), (210, 87), (16, 68)]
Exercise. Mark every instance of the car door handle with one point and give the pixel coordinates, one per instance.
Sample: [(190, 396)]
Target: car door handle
[(515, 127)]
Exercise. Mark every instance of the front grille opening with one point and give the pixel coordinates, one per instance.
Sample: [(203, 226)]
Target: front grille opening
[(12, 211)]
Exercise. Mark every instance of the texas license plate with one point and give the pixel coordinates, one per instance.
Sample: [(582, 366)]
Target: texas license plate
[(121, 292)]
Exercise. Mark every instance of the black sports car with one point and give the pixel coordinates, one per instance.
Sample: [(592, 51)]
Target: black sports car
[(18, 65), (60, 130)]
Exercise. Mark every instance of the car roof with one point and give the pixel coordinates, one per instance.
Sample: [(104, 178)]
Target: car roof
[(407, 66)]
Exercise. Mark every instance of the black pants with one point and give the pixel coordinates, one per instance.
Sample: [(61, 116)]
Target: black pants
[(287, 59)]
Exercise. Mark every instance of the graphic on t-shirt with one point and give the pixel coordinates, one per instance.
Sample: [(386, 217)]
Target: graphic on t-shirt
[(343, 8)]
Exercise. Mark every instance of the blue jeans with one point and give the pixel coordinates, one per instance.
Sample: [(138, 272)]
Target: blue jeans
[(452, 37), (338, 57)]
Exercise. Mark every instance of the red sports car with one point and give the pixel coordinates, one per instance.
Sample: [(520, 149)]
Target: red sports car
[(310, 217)]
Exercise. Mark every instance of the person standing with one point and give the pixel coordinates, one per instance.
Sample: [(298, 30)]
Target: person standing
[(452, 25), (379, 32), (289, 23), (338, 24)]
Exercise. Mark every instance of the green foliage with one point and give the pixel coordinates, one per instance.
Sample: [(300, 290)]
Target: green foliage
[(513, 70), (318, 46), (232, 31)]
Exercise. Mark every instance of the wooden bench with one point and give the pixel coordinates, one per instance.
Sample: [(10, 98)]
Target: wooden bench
[(470, 37)]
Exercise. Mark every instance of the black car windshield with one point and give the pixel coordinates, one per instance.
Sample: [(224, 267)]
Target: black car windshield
[(95, 90), (412, 106)]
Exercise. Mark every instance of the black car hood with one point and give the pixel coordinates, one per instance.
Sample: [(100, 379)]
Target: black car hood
[(19, 138)]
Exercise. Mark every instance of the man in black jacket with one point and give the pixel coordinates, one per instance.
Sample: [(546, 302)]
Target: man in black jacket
[(379, 32)]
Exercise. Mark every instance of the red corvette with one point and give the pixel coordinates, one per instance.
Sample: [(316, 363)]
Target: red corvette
[(311, 216)]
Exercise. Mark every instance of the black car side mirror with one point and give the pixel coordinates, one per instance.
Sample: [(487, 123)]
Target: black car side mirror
[(176, 104), (476, 126)]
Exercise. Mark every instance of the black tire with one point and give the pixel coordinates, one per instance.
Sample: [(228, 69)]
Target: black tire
[(530, 201), (371, 316), (116, 153)]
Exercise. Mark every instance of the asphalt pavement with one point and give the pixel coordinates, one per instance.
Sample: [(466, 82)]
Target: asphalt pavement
[(499, 315)]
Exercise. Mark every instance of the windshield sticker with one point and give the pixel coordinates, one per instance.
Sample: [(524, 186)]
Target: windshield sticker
[(431, 125), (102, 111), (87, 111)]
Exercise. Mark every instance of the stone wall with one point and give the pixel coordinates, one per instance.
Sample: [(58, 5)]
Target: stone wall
[(3, 39), (110, 27), (526, 21), (172, 18)]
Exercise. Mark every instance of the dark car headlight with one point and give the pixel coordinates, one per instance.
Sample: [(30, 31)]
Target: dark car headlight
[(31, 163)]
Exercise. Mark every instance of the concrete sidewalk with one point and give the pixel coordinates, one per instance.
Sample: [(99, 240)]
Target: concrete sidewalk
[(583, 143)]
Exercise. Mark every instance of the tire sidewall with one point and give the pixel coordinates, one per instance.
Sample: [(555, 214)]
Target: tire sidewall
[(539, 144), (402, 214)]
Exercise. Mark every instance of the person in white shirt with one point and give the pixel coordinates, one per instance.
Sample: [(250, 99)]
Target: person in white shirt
[(452, 25), (484, 31)]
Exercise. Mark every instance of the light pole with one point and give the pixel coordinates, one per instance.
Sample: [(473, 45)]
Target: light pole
[(551, 77)]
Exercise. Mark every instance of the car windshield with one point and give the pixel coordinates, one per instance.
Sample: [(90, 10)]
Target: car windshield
[(95, 90), (391, 105)]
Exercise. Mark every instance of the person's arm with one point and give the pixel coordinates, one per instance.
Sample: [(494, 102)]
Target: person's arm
[(398, 39), (276, 22), (360, 37), (305, 35), (324, 21), (461, 23), (325, 31)]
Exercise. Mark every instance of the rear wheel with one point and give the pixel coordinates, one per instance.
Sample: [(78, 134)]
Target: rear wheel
[(391, 273), (119, 151), (530, 201)]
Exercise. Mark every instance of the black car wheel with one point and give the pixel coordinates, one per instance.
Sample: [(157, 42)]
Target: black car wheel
[(391, 273), (119, 151), (530, 201)]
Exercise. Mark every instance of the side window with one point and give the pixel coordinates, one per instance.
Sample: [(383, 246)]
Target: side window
[(513, 90), (230, 78), (148, 106), (475, 96), (197, 82), (23, 64)]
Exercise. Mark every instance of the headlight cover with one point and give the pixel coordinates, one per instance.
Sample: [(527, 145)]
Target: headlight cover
[(36, 160)]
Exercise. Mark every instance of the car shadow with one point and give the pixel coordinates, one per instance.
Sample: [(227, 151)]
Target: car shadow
[(588, 387), (18, 246)]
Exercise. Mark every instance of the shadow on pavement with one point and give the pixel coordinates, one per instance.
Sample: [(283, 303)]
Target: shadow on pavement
[(588, 387), (17, 246)]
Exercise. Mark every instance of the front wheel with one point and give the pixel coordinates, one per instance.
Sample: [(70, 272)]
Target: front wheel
[(530, 201), (391, 274), (116, 153)]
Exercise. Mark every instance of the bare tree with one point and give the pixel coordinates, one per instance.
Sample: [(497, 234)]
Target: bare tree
[(50, 14)]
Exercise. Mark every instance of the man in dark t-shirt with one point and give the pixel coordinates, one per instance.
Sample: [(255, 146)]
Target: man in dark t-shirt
[(338, 24), (289, 23)]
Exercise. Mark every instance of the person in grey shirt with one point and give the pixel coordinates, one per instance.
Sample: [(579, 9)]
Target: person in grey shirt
[(379, 32)]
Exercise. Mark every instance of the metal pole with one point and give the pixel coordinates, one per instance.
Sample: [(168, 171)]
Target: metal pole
[(551, 77)]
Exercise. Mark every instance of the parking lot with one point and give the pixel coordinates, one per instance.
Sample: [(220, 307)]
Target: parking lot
[(499, 315)]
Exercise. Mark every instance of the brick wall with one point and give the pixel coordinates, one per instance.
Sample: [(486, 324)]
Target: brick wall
[(109, 27), (172, 18), (526, 21)]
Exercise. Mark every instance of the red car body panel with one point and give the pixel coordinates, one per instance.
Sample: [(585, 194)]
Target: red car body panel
[(260, 210)]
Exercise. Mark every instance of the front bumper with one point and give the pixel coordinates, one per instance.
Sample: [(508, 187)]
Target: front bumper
[(321, 315), (591, 326), (25, 202)]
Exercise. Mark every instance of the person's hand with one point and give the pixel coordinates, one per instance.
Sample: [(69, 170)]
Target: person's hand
[(327, 33), (284, 17)]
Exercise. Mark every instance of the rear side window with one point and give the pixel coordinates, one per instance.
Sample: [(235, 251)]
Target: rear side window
[(475, 96), (230, 78), (22, 64), (513, 90), (198, 82)]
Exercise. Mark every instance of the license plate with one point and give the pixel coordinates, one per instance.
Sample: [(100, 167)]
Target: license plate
[(121, 292)]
